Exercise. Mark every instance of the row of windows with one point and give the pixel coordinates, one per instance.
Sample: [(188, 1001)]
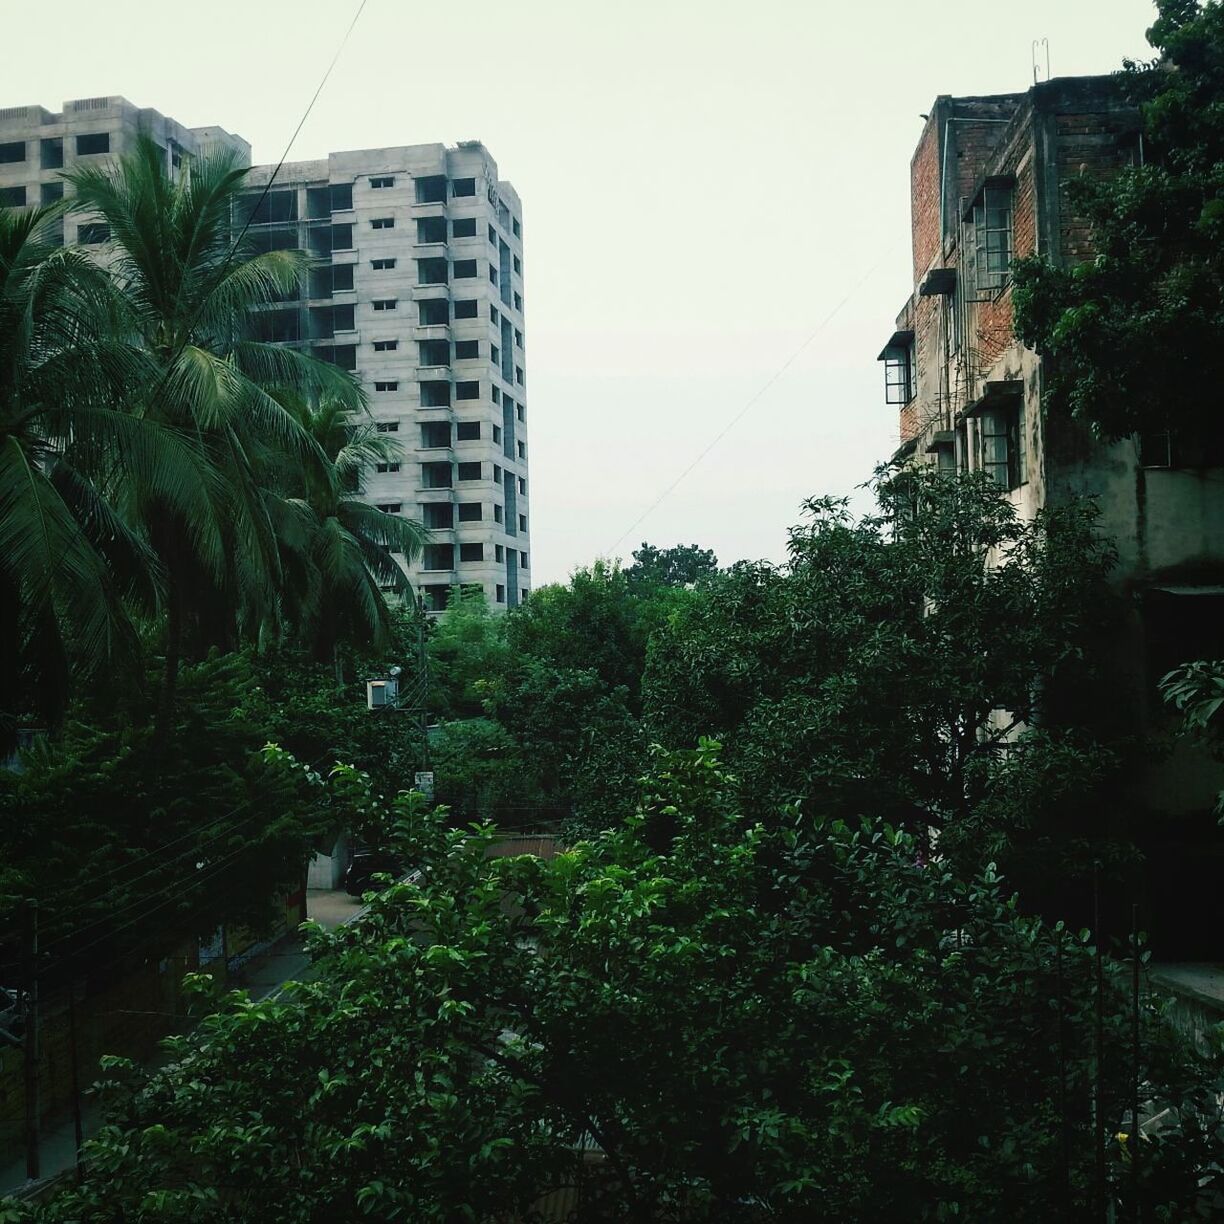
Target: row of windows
[(441, 475), (388, 385), (433, 189), (437, 271), (338, 197), (442, 556), (52, 150), (441, 516), (435, 434), (437, 598)]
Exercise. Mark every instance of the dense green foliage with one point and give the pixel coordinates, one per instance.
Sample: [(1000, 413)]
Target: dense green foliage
[(896, 667), (740, 1020), (1132, 332), (181, 542)]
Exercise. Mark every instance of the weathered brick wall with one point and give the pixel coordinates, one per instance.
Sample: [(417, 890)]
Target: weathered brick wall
[(1090, 145), (924, 197)]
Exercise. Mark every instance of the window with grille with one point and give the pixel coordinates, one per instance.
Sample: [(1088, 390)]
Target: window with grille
[(992, 226)]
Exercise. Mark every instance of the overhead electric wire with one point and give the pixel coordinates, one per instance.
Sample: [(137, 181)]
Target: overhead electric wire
[(735, 420), (225, 263)]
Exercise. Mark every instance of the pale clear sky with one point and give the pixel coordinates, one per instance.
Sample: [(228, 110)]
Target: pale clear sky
[(702, 181)]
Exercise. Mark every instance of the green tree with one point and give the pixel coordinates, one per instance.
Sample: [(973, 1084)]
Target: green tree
[(1130, 333), (70, 565), (338, 551), (896, 661), (186, 294), (681, 565), (733, 1020)]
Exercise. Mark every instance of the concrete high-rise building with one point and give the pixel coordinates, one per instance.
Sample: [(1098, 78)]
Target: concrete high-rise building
[(37, 146), (417, 287)]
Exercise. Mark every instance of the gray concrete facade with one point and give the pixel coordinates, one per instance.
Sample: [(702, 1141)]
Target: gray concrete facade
[(417, 287), (37, 146)]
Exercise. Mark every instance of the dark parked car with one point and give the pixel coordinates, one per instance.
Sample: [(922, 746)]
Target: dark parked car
[(367, 863)]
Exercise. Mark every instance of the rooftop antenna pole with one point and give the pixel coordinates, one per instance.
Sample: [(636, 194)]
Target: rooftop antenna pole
[(1040, 44)]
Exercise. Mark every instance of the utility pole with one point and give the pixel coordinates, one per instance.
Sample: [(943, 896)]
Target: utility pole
[(29, 956)]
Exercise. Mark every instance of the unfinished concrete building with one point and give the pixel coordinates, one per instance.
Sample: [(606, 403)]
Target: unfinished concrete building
[(988, 185), (37, 146), (417, 287)]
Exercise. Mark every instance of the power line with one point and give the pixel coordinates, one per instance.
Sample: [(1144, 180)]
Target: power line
[(726, 429)]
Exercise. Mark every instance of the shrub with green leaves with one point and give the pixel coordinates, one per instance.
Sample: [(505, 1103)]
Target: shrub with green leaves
[(703, 1017)]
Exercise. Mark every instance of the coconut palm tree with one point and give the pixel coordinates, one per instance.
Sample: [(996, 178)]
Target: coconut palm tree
[(186, 289), (71, 568), (339, 549)]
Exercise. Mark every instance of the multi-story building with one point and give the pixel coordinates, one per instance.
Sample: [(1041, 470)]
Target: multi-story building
[(37, 146), (988, 185), (417, 286)]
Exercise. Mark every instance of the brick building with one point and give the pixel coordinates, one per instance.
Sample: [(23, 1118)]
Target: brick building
[(989, 184)]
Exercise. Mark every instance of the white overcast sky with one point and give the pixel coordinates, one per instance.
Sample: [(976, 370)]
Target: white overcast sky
[(703, 183)]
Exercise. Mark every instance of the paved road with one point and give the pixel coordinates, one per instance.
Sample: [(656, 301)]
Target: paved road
[(282, 962)]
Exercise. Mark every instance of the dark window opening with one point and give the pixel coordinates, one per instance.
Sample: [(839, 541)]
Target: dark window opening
[(435, 394), (382, 181), (467, 350), (92, 233), (435, 434), (466, 309), (437, 598), (51, 153), (471, 552), (431, 229), (12, 197), (439, 557), (469, 471), (436, 475), (467, 390), (431, 272), (434, 352), (96, 142), (470, 512), (432, 312), (465, 227), (465, 269), (12, 151), (438, 515), (431, 190), (382, 265), (467, 431), (385, 346), (462, 188)]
